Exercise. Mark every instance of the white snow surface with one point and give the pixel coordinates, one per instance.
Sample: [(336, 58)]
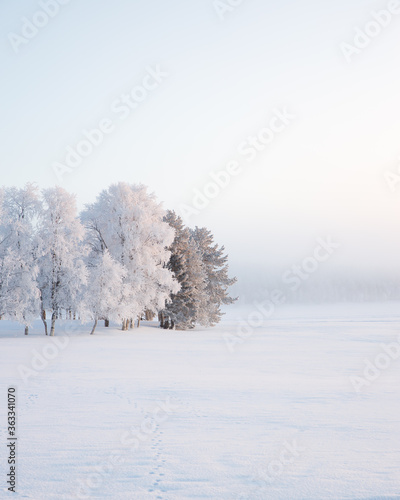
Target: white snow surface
[(227, 420)]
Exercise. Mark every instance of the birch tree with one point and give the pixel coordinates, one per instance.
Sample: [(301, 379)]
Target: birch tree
[(19, 293), (128, 222), (62, 271), (105, 289)]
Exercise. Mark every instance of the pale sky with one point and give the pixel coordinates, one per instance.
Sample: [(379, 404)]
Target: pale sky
[(322, 175)]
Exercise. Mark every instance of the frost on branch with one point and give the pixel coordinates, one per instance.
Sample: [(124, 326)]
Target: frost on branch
[(128, 222), (202, 271)]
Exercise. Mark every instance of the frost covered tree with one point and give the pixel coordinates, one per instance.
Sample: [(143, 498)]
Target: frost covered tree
[(62, 271), (19, 293), (185, 307), (128, 222), (105, 289), (215, 263), (201, 268)]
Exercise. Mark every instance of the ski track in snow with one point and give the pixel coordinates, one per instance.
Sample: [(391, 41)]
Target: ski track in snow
[(229, 415)]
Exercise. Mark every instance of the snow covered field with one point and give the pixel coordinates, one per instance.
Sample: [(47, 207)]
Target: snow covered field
[(154, 414)]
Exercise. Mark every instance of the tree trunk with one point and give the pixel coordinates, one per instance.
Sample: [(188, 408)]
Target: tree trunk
[(53, 323), (94, 327), (43, 316), (107, 322), (26, 330), (149, 315), (131, 324), (161, 319), (138, 321)]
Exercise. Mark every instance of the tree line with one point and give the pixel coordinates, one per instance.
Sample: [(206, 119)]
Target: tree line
[(123, 258)]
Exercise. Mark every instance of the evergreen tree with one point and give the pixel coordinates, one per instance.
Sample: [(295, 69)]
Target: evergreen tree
[(185, 307), (216, 268)]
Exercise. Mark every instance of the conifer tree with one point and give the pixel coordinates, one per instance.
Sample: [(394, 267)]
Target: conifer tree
[(216, 267), (185, 307)]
